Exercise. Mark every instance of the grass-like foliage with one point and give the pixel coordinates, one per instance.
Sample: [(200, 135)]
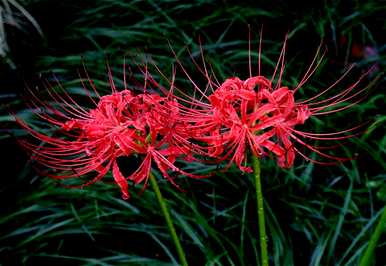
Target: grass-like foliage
[(315, 214)]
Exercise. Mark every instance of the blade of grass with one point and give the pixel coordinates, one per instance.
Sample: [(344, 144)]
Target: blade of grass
[(368, 256)]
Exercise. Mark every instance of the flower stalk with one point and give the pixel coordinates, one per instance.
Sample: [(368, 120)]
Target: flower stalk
[(260, 211), (165, 211)]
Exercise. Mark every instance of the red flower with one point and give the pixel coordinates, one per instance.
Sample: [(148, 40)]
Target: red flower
[(260, 115), (122, 124), (250, 114)]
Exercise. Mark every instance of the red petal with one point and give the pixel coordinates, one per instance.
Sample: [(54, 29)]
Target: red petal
[(120, 180)]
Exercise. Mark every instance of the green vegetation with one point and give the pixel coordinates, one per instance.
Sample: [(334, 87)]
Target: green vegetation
[(315, 215)]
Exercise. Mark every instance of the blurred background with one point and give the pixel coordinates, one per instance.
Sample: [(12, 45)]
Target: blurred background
[(316, 215)]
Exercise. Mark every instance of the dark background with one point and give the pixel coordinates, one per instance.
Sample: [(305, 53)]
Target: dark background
[(316, 215)]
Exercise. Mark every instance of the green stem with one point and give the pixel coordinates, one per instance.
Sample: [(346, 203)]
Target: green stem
[(368, 255), (169, 222), (260, 212)]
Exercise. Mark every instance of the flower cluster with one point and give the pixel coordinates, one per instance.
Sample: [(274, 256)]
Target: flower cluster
[(121, 125), (250, 113), (259, 115), (238, 117)]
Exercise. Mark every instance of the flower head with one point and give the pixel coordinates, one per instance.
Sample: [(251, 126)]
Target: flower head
[(121, 124), (261, 116), (250, 113)]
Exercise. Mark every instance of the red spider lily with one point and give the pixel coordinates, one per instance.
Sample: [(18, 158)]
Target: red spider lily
[(121, 124), (260, 115), (254, 117)]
